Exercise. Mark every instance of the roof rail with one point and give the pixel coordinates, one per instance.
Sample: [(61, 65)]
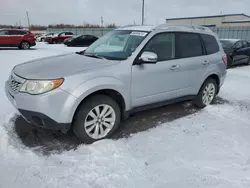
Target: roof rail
[(128, 26), (198, 27)]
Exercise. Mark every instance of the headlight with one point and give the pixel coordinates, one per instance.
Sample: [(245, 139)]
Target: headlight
[(36, 87)]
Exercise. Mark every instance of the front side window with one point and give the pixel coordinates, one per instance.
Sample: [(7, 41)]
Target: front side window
[(163, 45), (227, 43), (62, 34), (188, 45), (245, 44), (210, 43), (238, 45), (117, 44)]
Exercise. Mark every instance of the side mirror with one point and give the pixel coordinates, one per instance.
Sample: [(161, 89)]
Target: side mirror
[(148, 58)]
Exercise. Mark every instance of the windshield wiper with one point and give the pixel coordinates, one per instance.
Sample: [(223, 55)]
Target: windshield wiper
[(95, 56)]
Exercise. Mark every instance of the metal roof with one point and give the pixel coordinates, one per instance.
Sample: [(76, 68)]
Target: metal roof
[(213, 16)]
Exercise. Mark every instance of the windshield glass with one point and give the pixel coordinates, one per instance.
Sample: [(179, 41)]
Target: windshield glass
[(227, 43), (117, 44)]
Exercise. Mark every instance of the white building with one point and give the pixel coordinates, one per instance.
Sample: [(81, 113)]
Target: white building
[(226, 20)]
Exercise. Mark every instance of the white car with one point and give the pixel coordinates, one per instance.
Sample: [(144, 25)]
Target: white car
[(44, 36)]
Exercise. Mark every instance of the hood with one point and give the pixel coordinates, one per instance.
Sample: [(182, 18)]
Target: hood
[(60, 66)]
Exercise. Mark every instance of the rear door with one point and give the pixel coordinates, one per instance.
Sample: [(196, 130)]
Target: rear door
[(246, 48), (91, 39), (4, 38), (82, 41), (240, 53), (16, 37), (192, 63)]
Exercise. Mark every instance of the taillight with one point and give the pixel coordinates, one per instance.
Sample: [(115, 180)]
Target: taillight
[(224, 58)]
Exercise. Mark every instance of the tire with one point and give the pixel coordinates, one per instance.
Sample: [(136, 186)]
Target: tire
[(200, 100), (24, 45), (42, 40), (84, 115), (54, 42), (229, 62)]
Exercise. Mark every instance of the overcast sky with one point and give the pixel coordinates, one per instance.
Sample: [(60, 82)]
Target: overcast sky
[(121, 12)]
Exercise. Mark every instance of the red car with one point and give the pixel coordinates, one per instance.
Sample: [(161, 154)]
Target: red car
[(17, 38), (57, 39)]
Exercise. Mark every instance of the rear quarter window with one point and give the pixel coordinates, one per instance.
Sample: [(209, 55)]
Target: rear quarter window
[(211, 44)]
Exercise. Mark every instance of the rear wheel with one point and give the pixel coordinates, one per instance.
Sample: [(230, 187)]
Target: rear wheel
[(206, 94), (54, 42), (24, 45), (97, 118)]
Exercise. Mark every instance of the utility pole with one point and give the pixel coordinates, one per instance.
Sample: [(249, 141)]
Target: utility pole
[(102, 21), (27, 13), (142, 19), (102, 24)]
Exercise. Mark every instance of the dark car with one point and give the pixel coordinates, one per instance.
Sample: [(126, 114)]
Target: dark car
[(237, 50), (81, 41)]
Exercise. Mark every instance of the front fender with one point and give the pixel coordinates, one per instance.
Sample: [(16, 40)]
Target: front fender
[(96, 84)]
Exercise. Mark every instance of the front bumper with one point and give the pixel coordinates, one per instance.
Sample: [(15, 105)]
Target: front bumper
[(50, 110)]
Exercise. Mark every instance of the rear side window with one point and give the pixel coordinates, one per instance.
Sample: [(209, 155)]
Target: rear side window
[(210, 43), (13, 32), (188, 45)]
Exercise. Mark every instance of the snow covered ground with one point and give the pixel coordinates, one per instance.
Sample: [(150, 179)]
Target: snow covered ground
[(210, 148)]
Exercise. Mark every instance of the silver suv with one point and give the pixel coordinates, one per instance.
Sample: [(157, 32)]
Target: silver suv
[(129, 69)]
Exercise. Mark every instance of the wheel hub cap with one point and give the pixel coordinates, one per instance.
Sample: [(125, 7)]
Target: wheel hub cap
[(208, 94), (100, 121)]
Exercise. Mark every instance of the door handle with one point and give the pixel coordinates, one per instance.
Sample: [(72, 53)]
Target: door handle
[(205, 62), (174, 67)]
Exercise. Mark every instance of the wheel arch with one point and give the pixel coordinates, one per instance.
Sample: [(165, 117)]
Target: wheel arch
[(114, 94), (24, 41), (216, 78)]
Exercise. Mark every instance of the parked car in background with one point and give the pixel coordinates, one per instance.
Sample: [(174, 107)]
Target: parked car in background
[(57, 39), (23, 39), (80, 41), (129, 69), (44, 36), (237, 50)]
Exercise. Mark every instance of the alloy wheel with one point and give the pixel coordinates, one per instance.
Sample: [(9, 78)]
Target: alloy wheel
[(25, 45), (100, 121), (208, 94)]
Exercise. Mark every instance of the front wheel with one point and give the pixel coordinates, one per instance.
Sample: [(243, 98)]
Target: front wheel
[(97, 118), (207, 93)]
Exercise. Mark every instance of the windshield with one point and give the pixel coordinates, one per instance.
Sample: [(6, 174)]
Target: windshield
[(117, 44), (227, 43)]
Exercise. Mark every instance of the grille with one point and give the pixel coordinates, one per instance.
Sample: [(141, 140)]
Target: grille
[(14, 85)]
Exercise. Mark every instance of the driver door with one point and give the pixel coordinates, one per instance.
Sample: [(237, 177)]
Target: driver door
[(153, 83), (240, 54)]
